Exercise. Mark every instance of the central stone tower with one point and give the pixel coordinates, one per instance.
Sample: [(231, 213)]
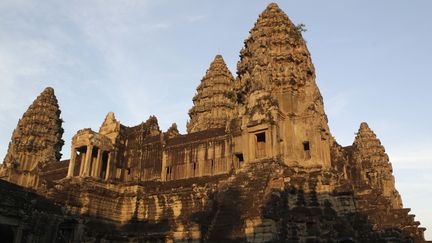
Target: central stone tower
[(280, 109)]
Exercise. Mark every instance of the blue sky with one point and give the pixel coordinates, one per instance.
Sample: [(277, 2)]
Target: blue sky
[(139, 57)]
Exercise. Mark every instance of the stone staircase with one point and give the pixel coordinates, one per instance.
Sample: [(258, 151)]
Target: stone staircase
[(390, 220), (239, 197)]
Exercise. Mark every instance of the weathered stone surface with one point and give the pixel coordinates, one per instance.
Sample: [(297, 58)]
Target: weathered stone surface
[(35, 141), (110, 127), (372, 166), (214, 100), (172, 131), (258, 165), (265, 201), (276, 84)]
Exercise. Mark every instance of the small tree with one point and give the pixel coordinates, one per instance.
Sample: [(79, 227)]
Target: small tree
[(301, 28)]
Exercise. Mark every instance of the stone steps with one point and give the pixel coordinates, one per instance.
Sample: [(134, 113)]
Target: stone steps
[(240, 194)]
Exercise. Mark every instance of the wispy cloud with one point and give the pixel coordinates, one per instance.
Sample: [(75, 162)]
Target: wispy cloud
[(73, 47), (195, 18), (337, 104), (159, 26), (411, 156)]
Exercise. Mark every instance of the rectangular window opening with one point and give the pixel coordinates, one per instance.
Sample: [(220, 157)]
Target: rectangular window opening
[(260, 145), (239, 157), (168, 173), (260, 137), (306, 146), (194, 169)]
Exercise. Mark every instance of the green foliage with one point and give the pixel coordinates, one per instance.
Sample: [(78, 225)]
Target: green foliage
[(297, 31), (230, 95), (301, 28)]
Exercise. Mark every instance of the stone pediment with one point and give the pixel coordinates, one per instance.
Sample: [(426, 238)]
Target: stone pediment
[(87, 137)]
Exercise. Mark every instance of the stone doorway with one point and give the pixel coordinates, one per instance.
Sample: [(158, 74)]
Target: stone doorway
[(260, 145)]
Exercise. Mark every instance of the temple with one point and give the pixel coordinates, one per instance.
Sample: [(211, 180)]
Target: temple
[(258, 164)]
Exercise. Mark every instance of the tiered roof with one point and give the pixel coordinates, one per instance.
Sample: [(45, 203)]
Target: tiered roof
[(275, 54), (373, 163), (214, 101), (37, 138)]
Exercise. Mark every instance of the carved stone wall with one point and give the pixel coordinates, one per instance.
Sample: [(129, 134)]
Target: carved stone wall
[(261, 202), (199, 154)]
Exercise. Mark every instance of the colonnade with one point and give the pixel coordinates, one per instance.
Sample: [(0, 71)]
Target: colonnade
[(99, 166)]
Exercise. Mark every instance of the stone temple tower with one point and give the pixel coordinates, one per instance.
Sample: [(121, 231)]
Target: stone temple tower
[(371, 165), (276, 86), (36, 140), (213, 103)]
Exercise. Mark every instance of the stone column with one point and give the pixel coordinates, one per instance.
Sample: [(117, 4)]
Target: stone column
[(87, 162), (164, 165), (98, 165), (110, 166), (72, 163), (83, 159)]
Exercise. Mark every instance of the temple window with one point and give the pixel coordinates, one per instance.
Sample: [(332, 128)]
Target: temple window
[(306, 146), (260, 137), (168, 173), (239, 157), (306, 149), (194, 169), (238, 160), (260, 144)]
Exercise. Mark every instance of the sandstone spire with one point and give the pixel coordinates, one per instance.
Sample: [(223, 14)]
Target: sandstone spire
[(151, 126), (373, 162), (276, 82), (37, 138), (172, 131), (275, 59), (213, 103), (275, 54)]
